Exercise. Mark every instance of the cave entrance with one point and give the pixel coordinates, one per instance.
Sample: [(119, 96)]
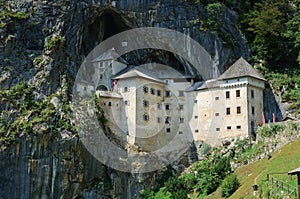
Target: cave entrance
[(103, 26)]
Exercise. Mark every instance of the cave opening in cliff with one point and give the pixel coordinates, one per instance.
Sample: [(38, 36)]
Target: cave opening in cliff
[(108, 23)]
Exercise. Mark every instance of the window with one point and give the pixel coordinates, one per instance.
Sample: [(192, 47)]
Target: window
[(180, 107), (145, 89), (195, 101), (168, 119), (84, 88), (158, 105), (181, 94), (180, 132), (109, 103), (158, 93), (252, 93), (146, 103), (126, 89), (217, 129), (227, 111), (238, 127), (253, 110), (167, 107), (238, 93), (196, 116), (227, 94), (168, 93), (217, 114), (146, 117), (101, 77), (127, 102), (168, 130), (216, 98), (159, 120), (152, 91), (238, 110), (228, 127), (196, 130), (181, 120)]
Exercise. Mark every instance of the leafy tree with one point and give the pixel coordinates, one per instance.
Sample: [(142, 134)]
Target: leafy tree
[(229, 185)]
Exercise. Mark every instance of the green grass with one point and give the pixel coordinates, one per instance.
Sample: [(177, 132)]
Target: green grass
[(283, 160)]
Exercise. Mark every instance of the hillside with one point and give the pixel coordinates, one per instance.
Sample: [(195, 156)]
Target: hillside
[(284, 160)]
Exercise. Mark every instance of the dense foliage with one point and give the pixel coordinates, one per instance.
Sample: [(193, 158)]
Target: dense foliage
[(203, 177), (229, 185), (22, 113)]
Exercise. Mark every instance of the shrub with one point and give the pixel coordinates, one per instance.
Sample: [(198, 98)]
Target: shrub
[(229, 185)]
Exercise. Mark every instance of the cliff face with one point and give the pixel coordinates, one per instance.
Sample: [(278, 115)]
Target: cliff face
[(55, 36), (44, 42)]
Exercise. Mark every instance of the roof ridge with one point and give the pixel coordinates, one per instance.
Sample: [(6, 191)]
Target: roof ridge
[(241, 68)]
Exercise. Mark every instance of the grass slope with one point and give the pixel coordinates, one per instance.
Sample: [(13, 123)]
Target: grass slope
[(284, 160)]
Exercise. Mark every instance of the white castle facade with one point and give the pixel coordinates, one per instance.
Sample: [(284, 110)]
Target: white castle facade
[(152, 105)]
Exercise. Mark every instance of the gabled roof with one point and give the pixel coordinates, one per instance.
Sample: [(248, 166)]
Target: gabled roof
[(241, 68), (110, 55), (208, 84), (136, 73)]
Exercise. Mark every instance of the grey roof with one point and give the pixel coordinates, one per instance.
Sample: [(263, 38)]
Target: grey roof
[(161, 71), (208, 84), (110, 55), (109, 94), (241, 68), (136, 73), (295, 171)]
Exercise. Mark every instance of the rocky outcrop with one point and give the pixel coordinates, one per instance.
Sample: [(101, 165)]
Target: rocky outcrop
[(31, 52), (45, 42)]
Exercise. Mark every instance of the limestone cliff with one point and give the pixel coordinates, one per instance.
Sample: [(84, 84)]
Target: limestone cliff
[(44, 43)]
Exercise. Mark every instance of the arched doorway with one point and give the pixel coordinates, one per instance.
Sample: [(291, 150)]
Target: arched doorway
[(101, 88)]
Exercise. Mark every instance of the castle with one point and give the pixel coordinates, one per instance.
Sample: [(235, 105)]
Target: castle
[(152, 105)]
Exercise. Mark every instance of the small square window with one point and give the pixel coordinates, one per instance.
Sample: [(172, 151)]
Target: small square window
[(146, 117), (168, 120), (158, 93), (180, 107), (217, 129), (238, 127), (181, 94), (227, 111), (181, 120), (238, 110), (152, 91), (253, 110), (167, 107), (127, 102), (217, 114), (217, 98), (238, 93), (168, 130), (196, 116), (180, 132), (168, 93), (146, 103), (145, 89), (126, 89), (228, 127), (196, 130), (252, 93), (195, 101), (159, 120), (159, 105), (109, 103), (227, 94)]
